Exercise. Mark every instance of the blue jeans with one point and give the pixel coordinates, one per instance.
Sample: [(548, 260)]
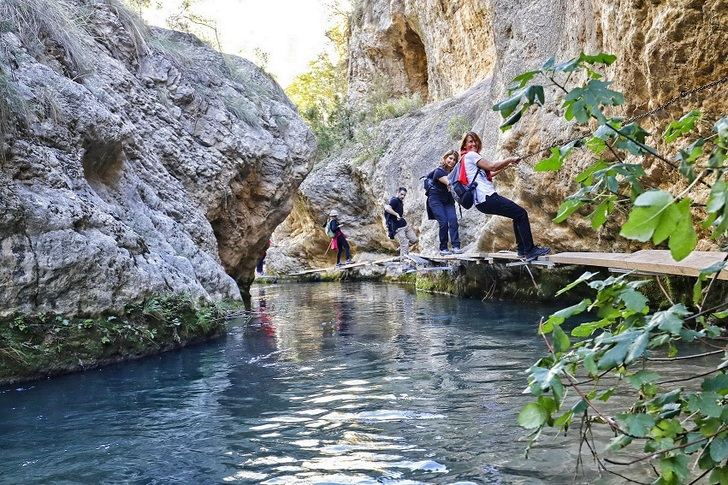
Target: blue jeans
[(501, 206), (444, 212)]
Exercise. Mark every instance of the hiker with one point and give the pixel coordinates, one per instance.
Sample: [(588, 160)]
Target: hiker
[(441, 205), (259, 267), (338, 240), (488, 201), (403, 232)]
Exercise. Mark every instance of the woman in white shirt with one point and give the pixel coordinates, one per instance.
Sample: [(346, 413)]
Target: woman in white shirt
[(488, 201)]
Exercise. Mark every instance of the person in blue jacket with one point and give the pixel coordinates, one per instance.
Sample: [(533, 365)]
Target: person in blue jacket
[(441, 204)]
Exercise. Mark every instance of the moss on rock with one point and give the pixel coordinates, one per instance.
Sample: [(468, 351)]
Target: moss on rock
[(34, 346)]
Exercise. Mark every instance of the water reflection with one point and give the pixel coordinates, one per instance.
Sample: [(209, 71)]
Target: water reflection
[(329, 383)]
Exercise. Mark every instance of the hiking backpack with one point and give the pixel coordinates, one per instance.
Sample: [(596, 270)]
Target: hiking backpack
[(463, 194), (428, 182), (327, 228)]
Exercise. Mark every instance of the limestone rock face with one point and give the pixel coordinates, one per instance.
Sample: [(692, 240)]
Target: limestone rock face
[(418, 46), (662, 48), (142, 163)]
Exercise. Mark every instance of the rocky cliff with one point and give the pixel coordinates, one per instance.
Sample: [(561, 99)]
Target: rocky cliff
[(134, 162), (460, 55)]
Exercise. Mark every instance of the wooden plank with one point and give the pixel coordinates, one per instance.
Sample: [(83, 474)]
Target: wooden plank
[(346, 266), (587, 258), (474, 257), (509, 255), (648, 261)]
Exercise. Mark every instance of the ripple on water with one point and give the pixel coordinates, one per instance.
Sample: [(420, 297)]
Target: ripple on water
[(401, 389)]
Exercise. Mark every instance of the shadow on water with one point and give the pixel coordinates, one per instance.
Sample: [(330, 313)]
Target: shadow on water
[(330, 383)]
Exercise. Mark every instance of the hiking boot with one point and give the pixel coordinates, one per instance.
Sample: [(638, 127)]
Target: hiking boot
[(536, 252), (445, 252), (457, 251)]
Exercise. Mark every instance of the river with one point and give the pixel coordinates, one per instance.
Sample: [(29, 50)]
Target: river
[(330, 383)]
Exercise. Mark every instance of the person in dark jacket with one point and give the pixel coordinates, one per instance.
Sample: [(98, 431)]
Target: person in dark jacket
[(338, 240), (403, 232), (441, 205)]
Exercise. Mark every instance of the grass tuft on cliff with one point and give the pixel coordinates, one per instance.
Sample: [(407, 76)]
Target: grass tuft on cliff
[(49, 26), (33, 346)]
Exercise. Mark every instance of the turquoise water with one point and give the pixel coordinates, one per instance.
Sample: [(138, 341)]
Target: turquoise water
[(331, 383)]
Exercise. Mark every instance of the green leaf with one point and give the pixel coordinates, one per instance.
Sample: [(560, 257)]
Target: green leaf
[(654, 198), (717, 157), (556, 159), (601, 58), (569, 312), (564, 420), (633, 300), (668, 428), (721, 127), (532, 416), (583, 102), (522, 79), (590, 365), (718, 384), (599, 216), (705, 403), (669, 320), (561, 340), (674, 469), (636, 424), (568, 207), (619, 442), (683, 239), (584, 277), (508, 124), (719, 449), (604, 396), (645, 216), (718, 195), (588, 328), (681, 127), (586, 177), (637, 348), (668, 222), (509, 105), (632, 138), (642, 377), (615, 356), (596, 145), (719, 475)]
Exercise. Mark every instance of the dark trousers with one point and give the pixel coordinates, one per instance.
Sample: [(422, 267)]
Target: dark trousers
[(259, 267), (444, 212), (343, 246), (501, 206)]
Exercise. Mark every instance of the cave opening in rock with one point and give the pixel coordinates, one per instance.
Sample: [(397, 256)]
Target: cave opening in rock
[(102, 160), (414, 59)]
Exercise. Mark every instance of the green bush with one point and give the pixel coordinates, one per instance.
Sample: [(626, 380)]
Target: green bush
[(623, 340)]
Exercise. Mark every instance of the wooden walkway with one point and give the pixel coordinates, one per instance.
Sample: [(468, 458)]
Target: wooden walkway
[(646, 262)]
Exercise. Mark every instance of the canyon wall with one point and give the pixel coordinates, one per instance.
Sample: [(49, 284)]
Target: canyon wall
[(135, 162), (460, 55)]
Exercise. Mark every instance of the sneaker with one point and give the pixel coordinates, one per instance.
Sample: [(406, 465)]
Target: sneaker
[(339, 265), (445, 252), (536, 252), (457, 251), (349, 261)]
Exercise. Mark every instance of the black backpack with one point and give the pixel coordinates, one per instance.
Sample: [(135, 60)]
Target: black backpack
[(464, 194), (428, 182)]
